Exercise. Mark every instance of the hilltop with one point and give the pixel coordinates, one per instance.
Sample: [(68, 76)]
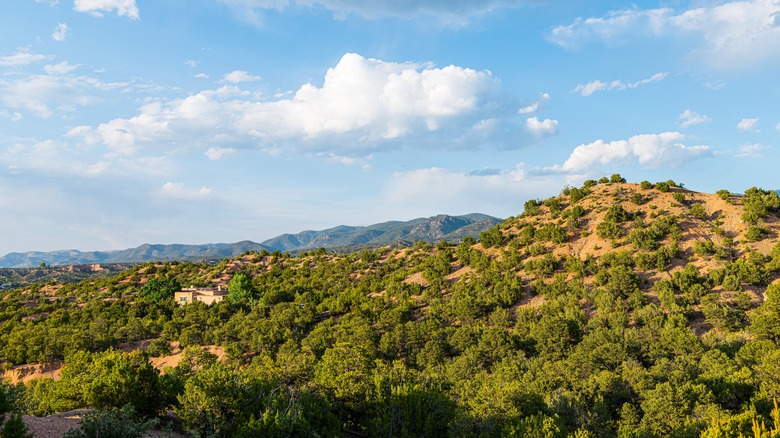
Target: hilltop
[(612, 309)]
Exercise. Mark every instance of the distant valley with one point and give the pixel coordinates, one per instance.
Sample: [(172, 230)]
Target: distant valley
[(344, 238)]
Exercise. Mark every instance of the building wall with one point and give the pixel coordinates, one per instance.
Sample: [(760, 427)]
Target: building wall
[(183, 297), (206, 296), (210, 299)]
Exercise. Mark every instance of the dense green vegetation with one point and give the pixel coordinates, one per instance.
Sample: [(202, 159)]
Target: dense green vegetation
[(591, 314)]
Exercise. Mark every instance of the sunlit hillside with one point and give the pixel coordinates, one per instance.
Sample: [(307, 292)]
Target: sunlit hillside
[(613, 309)]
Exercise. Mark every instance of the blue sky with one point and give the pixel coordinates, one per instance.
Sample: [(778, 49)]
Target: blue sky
[(124, 122)]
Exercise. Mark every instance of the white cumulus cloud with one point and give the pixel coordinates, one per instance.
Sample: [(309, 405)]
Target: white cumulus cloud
[(650, 150), (541, 128), (127, 8), (691, 118), (732, 34), (748, 125), (361, 104), (60, 32)]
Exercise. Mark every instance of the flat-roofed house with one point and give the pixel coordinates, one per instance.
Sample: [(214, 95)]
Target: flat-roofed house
[(206, 295)]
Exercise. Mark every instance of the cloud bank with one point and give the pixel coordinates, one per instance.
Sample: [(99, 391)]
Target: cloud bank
[(362, 105), (729, 35), (650, 150)]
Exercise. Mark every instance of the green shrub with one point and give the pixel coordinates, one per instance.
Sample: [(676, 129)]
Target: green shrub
[(574, 213), (552, 233), (758, 203), (491, 237), (705, 248), (531, 207), (609, 230), (159, 347), (616, 178), (617, 214), (755, 233), (697, 210), (554, 204), (536, 250), (731, 282), (543, 267), (576, 194)]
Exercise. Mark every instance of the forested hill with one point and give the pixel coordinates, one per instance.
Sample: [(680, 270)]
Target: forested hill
[(613, 309), (431, 230), (343, 238)]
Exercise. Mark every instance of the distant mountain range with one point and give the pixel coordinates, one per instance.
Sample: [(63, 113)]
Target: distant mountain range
[(432, 229)]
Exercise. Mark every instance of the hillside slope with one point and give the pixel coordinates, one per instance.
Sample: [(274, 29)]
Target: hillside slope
[(612, 310)]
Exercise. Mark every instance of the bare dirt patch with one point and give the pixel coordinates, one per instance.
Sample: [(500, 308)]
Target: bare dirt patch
[(171, 361), (25, 373), (416, 278), (53, 426)]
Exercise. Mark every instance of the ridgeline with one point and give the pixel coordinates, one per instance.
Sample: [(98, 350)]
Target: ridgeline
[(338, 239)]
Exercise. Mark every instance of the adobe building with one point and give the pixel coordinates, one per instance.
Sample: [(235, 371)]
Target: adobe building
[(203, 294)]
